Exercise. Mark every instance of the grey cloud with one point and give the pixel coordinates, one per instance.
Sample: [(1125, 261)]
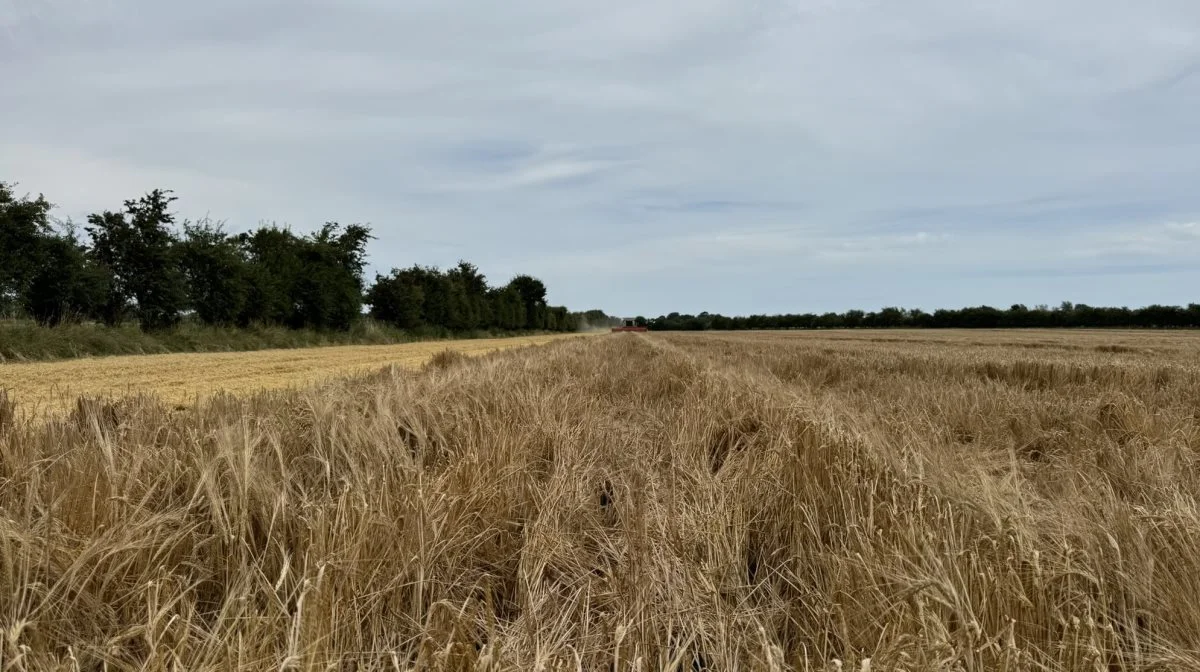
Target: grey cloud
[(1091, 270), (646, 156)]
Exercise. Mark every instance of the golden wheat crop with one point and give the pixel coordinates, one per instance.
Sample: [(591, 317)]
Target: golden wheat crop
[(183, 378), (866, 500)]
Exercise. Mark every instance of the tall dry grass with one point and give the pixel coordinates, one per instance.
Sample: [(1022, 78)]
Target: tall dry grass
[(749, 502)]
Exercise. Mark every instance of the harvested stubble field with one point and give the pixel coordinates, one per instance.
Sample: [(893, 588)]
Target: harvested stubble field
[(184, 378), (927, 500)]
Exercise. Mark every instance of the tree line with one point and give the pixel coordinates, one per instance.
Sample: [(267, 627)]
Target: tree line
[(138, 263), (979, 317)]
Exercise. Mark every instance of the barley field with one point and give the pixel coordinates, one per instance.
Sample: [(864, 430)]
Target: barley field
[(722, 501)]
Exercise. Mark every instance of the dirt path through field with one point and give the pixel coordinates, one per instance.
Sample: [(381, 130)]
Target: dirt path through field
[(181, 378)]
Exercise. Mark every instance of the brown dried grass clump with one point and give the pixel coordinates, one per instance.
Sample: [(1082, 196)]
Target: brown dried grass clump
[(445, 359), (665, 502)]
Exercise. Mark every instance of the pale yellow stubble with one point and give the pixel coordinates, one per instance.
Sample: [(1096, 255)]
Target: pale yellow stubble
[(185, 377)]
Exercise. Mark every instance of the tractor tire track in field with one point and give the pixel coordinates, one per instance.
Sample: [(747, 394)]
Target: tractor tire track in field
[(184, 377)]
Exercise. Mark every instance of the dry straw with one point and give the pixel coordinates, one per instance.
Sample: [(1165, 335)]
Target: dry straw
[(722, 502)]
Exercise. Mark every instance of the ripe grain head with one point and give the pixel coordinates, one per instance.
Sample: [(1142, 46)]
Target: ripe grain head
[(680, 501)]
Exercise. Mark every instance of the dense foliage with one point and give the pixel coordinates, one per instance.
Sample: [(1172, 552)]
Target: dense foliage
[(461, 300), (979, 317), (137, 263)]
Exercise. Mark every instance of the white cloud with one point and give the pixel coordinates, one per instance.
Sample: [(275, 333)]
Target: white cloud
[(1170, 240), (1189, 231), (536, 171)]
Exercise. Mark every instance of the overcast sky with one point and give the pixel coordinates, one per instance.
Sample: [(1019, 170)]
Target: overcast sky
[(644, 156)]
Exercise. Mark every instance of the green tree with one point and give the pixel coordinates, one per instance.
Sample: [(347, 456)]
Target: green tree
[(469, 305), (24, 225), (890, 317), (273, 257), (533, 297), (508, 308), (435, 291), (398, 299), (558, 318), (313, 281), (328, 294), (66, 287), (139, 248), (216, 273)]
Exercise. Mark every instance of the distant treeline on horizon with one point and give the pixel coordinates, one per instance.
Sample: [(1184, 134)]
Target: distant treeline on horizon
[(136, 264), (1065, 315)]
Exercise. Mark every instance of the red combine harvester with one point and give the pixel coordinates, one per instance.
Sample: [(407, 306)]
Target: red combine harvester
[(629, 325)]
